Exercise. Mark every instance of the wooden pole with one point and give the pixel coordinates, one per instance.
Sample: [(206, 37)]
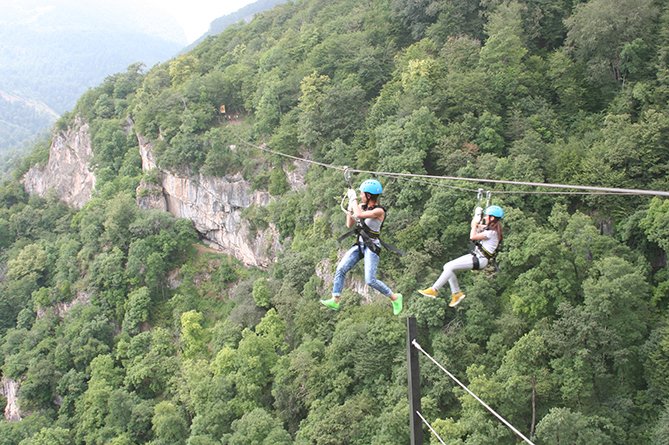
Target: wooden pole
[(415, 422)]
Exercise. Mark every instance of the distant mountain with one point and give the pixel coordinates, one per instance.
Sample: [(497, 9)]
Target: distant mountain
[(244, 14), (51, 53)]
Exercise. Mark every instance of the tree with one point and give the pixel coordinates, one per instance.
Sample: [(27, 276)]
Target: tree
[(652, 223), (258, 427), (562, 425), (331, 424), (92, 408), (169, 425), (293, 386), (661, 432), (416, 16), (193, 335), (402, 147), (329, 110), (597, 32), (525, 378), (84, 335), (150, 362), (49, 436), (136, 310), (503, 52), (656, 353)]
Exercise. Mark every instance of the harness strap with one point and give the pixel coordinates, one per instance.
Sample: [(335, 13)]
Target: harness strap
[(475, 259), (368, 240), (485, 253)]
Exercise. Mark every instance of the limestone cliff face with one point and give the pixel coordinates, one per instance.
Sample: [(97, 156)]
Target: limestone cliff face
[(215, 206), (68, 172), (10, 390), (355, 281)]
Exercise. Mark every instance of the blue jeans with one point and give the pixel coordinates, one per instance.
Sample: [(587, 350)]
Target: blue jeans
[(350, 259)]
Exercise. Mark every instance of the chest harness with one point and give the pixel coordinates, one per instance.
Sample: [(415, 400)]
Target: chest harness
[(367, 237), (478, 248)]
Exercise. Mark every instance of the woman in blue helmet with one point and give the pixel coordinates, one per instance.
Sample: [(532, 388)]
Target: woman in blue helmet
[(487, 238), (368, 218)]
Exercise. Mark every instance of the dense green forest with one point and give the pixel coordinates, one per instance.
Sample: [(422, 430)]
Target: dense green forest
[(177, 345)]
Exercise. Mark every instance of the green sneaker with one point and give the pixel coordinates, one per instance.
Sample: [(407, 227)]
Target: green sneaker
[(331, 303), (397, 304)]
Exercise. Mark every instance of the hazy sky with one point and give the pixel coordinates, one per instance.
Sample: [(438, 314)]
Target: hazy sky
[(194, 16)]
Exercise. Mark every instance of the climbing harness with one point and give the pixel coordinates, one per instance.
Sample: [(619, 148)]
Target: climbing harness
[(478, 246), (365, 236)]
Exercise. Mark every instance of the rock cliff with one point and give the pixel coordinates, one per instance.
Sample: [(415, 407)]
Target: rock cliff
[(10, 390), (68, 172), (215, 206)]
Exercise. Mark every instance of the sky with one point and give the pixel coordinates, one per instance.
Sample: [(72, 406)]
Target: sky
[(194, 16)]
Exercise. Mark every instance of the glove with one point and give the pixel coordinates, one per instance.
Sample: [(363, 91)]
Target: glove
[(352, 196), (478, 215)]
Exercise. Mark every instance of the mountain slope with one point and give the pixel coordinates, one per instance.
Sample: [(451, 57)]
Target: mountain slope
[(52, 53), (244, 14), (115, 329)]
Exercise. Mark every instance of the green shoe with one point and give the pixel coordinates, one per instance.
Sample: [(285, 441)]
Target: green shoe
[(397, 304), (331, 303)]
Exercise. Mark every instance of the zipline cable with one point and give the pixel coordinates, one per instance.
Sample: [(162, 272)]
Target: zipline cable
[(430, 427), (492, 411), (618, 191), (595, 190), (509, 192), (264, 148)]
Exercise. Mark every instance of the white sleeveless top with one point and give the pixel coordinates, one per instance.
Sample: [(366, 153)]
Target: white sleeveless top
[(490, 242)]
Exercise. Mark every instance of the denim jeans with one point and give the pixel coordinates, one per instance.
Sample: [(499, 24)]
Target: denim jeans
[(465, 262), (350, 259)]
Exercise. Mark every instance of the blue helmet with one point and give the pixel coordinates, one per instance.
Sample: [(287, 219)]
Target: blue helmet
[(495, 211), (371, 186)]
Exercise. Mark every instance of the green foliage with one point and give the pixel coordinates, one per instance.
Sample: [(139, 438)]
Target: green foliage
[(563, 424), (49, 436), (169, 425), (258, 427), (598, 33), (123, 331), (193, 336), (137, 308)]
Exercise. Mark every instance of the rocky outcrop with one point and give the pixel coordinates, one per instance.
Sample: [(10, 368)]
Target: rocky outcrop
[(215, 206), (68, 171), (354, 280), (61, 309), (10, 390)]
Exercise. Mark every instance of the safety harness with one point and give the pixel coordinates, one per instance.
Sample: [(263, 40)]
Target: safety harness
[(365, 236), (489, 255)]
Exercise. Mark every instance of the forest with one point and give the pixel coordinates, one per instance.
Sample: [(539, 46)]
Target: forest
[(123, 329)]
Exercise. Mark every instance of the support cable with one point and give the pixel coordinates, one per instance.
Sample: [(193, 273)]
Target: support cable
[(430, 427), (264, 148), (595, 190), (492, 411), (531, 184)]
